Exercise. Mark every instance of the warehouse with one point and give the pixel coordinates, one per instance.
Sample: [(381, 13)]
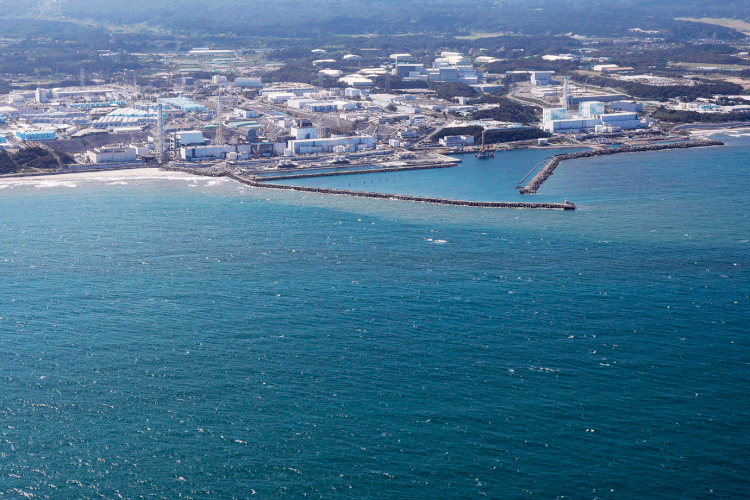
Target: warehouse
[(308, 146), (36, 135)]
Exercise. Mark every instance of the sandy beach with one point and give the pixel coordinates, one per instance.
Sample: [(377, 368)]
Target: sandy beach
[(731, 131), (132, 174)]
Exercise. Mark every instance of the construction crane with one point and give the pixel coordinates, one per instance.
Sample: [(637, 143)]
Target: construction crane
[(219, 138)]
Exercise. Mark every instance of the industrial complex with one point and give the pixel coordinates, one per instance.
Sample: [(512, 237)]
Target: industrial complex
[(246, 123)]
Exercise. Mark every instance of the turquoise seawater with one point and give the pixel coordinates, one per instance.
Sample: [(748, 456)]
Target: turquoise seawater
[(194, 338)]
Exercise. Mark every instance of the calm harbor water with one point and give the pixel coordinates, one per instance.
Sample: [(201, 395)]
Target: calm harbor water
[(195, 338), (473, 179)]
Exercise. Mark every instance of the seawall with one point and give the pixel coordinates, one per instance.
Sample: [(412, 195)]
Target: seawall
[(357, 172), (535, 183), (401, 197), (420, 199)]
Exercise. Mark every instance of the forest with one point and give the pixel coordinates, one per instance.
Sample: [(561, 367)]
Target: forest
[(493, 136), (29, 158), (680, 116), (663, 93)]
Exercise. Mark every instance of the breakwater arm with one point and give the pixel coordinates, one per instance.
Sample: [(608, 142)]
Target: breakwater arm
[(362, 194), (356, 172), (548, 170), (401, 197)]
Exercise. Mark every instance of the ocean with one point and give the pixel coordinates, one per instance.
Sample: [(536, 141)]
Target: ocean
[(187, 337)]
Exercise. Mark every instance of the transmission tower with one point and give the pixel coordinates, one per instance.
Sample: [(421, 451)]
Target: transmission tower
[(160, 135), (219, 138)]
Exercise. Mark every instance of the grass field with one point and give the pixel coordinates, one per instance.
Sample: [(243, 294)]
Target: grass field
[(737, 24)]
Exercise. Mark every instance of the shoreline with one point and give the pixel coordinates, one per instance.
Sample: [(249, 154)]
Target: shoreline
[(124, 173)]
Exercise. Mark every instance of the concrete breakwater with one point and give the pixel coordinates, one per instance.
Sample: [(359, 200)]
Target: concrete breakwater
[(439, 201), (357, 172), (401, 197), (548, 170)]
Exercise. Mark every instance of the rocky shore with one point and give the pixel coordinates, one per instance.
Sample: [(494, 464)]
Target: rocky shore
[(535, 183)]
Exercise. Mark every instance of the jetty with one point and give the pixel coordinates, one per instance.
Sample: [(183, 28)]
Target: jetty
[(357, 172), (544, 174), (262, 183)]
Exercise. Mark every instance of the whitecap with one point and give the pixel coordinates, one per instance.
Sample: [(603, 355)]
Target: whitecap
[(49, 184)]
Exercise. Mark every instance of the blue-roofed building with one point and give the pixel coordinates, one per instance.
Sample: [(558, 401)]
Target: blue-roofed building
[(91, 105), (36, 135), (183, 103)]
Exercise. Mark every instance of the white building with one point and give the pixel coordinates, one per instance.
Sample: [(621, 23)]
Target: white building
[(187, 138), (541, 78), (246, 113), (485, 60), (571, 124), (451, 68), (401, 57), (549, 114), (65, 92), (356, 81), (41, 95), (603, 67), (352, 58), (591, 109), (111, 154), (625, 121), (280, 97), (560, 57), (238, 152), (591, 115), (304, 133), (218, 79), (288, 87), (330, 73), (309, 146), (252, 82), (453, 141)]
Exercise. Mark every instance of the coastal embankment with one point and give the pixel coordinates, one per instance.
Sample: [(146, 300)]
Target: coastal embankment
[(549, 169), (357, 172)]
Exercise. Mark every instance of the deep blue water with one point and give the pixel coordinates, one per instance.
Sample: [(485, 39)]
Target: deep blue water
[(189, 338)]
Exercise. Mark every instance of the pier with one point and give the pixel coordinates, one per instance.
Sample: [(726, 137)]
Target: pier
[(537, 181)]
